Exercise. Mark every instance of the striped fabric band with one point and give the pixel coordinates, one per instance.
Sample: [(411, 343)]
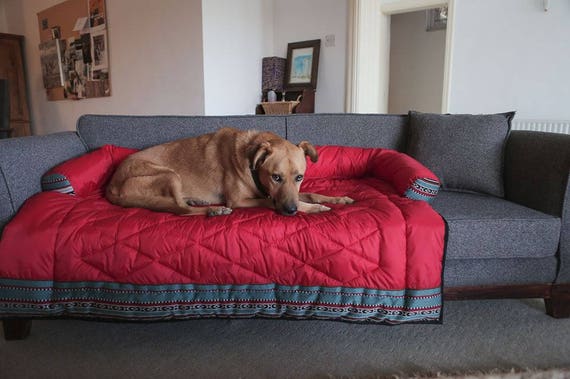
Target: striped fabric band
[(423, 189), (58, 183), (182, 301)]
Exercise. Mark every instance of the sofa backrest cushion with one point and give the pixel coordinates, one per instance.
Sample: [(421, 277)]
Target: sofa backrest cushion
[(24, 160), (362, 130), (465, 151), (139, 132)]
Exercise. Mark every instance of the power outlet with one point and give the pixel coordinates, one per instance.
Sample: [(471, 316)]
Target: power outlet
[(329, 40)]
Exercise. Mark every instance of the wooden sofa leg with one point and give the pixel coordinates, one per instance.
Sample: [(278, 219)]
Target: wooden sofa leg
[(558, 305), (16, 328)]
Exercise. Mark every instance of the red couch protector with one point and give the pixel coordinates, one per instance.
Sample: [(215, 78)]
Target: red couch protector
[(379, 259)]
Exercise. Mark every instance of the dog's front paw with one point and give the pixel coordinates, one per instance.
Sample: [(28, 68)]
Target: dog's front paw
[(344, 200), (218, 211)]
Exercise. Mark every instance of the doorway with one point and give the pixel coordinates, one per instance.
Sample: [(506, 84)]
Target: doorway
[(417, 58), (368, 68)]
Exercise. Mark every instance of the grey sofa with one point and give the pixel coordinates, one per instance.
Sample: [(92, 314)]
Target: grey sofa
[(516, 246)]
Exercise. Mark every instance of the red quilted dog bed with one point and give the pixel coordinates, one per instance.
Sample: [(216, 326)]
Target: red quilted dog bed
[(68, 251)]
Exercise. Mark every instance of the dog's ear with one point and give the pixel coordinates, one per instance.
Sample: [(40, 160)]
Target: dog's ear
[(309, 150), (258, 154)]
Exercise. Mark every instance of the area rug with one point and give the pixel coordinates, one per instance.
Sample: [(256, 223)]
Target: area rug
[(499, 374)]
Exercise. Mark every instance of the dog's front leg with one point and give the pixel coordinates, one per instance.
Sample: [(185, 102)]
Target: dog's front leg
[(250, 203), (312, 208), (316, 198), (268, 203)]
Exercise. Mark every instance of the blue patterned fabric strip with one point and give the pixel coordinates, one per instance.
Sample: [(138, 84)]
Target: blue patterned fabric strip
[(57, 182), (423, 189), (146, 302)]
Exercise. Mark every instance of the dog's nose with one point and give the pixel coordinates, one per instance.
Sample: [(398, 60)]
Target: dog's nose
[(289, 210)]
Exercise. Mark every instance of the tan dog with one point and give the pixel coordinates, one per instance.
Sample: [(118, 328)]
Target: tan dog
[(232, 167)]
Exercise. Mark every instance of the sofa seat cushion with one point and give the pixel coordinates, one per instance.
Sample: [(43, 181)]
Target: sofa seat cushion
[(482, 226)]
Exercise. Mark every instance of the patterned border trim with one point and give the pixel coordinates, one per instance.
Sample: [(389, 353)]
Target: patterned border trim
[(145, 302), (58, 183), (423, 189)]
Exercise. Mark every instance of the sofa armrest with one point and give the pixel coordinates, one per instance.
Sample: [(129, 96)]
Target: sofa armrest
[(537, 171), (24, 160)]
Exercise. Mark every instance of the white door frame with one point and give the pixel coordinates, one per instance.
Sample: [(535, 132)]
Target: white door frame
[(368, 65)]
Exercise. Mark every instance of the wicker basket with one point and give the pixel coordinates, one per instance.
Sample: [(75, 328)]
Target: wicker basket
[(279, 107)]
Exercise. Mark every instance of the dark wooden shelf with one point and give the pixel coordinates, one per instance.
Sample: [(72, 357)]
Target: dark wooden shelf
[(306, 98)]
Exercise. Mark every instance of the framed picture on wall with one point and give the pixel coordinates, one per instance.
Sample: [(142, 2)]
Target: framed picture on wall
[(302, 64), (99, 50)]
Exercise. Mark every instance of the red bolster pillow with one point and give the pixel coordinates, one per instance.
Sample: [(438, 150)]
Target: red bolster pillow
[(90, 172), (87, 173), (410, 178)]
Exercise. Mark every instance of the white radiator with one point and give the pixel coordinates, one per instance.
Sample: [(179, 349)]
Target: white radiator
[(552, 126)]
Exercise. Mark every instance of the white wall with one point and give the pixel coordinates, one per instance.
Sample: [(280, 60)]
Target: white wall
[(301, 20), (510, 54), (188, 57), (156, 65), (416, 64), (237, 35)]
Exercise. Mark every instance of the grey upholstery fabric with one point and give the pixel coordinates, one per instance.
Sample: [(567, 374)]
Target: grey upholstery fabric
[(386, 131), (23, 161), (6, 207), (482, 226), (144, 131), (464, 151), (495, 272)]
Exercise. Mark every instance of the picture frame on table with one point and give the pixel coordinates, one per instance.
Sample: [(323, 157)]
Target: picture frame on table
[(302, 65)]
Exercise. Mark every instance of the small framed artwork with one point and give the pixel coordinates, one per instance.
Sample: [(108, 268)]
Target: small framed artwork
[(302, 64), (55, 32), (436, 19), (99, 50)]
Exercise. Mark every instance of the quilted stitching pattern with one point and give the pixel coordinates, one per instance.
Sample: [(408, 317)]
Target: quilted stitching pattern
[(369, 244)]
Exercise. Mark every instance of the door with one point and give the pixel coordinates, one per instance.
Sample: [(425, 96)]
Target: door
[(12, 69)]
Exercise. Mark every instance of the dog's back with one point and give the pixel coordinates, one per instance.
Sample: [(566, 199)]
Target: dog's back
[(190, 170), (231, 168)]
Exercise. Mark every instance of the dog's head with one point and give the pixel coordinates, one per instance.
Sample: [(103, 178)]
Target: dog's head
[(280, 168)]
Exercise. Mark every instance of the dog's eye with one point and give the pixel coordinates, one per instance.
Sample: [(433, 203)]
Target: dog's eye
[(299, 178), (276, 178)]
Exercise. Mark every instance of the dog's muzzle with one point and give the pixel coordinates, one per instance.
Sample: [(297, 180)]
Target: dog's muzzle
[(289, 210)]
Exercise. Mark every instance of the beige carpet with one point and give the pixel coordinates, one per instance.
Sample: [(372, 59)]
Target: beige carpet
[(492, 336)]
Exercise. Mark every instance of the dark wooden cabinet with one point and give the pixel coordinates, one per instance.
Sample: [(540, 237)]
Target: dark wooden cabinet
[(307, 104), (12, 69)]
